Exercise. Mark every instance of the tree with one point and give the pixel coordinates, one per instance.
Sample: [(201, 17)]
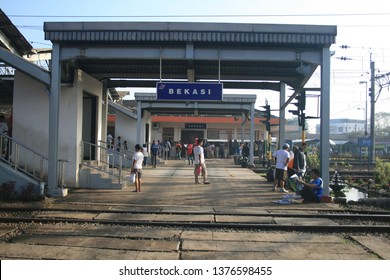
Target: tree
[(382, 126)]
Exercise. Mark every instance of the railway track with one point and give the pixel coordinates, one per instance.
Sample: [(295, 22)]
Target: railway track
[(97, 232), (316, 221)]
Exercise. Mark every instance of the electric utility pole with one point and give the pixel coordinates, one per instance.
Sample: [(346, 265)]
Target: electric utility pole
[(372, 119)]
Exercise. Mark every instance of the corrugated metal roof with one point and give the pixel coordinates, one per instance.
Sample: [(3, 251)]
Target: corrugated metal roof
[(17, 40), (193, 32), (145, 52)]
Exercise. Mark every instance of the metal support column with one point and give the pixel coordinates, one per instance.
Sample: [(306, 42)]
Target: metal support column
[(325, 120), (54, 108), (104, 111), (282, 115), (242, 127), (372, 112), (139, 122), (252, 135)]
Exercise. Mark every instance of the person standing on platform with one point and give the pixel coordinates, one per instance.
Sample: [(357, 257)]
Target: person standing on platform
[(145, 153), (282, 157), (110, 140), (199, 161), (136, 168), (300, 161), (167, 149), (190, 153), (245, 150), (118, 144), (160, 149), (154, 151), (178, 149), (290, 165)]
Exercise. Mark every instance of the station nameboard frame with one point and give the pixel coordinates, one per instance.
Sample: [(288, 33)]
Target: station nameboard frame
[(195, 125), (190, 91)]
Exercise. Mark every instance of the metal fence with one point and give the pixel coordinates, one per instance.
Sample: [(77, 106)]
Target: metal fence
[(106, 158), (25, 160)]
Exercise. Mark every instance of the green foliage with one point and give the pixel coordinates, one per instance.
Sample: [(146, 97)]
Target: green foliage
[(382, 172), (358, 181), (313, 160), (382, 124)]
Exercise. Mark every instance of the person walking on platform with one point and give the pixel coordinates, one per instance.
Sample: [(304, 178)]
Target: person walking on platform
[(200, 165), (282, 157), (154, 151), (136, 168)]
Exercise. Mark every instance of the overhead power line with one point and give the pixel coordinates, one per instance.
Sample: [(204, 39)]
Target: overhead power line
[(203, 16)]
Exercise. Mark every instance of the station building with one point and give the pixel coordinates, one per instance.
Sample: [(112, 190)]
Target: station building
[(62, 113)]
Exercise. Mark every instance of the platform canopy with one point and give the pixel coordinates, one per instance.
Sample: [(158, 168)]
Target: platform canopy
[(138, 54), (241, 56)]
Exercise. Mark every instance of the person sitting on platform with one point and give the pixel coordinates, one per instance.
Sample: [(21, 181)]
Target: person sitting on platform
[(312, 191)]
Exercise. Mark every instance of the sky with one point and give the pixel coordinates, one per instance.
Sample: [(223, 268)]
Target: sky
[(361, 25)]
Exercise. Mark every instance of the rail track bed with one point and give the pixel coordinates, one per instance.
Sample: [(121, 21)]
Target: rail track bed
[(110, 232), (295, 220)]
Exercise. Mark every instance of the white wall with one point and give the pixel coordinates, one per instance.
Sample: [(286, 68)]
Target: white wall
[(156, 134), (126, 128), (30, 120), (31, 117)]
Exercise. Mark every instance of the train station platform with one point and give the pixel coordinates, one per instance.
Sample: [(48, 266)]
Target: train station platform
[(172, 184)]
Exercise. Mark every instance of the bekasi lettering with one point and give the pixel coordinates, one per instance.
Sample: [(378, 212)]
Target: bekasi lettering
[(187, 91)]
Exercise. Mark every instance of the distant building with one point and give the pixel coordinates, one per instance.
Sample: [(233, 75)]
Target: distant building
[(343, 126)]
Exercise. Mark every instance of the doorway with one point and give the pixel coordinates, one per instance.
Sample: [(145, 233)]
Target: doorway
[(89, 125), (188, 136)]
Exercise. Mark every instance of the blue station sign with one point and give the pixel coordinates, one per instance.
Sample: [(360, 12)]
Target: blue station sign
[(364, 142), (189, 91)]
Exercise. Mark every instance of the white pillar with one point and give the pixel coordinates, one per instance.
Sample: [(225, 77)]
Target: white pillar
[(139, 122), (242, 127), (54, 108), (104, 111), (325, 119), (252, 136), (282, 115)]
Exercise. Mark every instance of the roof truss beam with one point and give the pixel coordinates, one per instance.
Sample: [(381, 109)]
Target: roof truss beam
[(24, 66), (200, 53)]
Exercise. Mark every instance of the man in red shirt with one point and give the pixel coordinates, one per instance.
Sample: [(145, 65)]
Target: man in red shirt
[(190, 153)]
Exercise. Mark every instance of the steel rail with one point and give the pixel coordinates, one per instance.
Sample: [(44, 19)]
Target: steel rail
[(208, 225), (381, 216)]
